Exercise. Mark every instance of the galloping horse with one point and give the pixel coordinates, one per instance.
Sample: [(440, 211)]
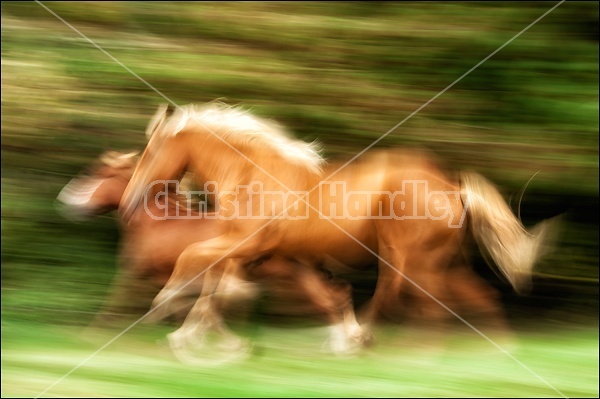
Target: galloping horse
[(279, 197), (146, 266), (150, 246)]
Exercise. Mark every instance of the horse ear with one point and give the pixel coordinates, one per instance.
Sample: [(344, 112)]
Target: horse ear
[(169, 110), (161, 115)]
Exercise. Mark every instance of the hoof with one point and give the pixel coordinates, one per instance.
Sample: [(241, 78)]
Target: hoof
[(234, 344), (366, 338), (209, 350), (347, 341), (209, 356), (342, 347)]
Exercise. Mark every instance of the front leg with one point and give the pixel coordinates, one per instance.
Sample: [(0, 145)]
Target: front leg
[(130, 296), (204, 338), (205, 261)]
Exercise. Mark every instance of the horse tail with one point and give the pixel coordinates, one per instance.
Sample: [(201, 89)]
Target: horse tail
[(500, 234)]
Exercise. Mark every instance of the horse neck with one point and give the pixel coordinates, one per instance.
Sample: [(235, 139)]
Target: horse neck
[(234, 164)]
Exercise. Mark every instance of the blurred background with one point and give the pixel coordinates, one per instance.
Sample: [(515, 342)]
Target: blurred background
[(341, 73)]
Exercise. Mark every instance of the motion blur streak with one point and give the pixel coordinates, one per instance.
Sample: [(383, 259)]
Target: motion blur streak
[(339, 74)]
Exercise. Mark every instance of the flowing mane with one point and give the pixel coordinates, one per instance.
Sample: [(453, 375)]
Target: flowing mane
[(236, 125)]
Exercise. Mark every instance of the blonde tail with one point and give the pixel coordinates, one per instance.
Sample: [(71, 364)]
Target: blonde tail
[(512, 248)]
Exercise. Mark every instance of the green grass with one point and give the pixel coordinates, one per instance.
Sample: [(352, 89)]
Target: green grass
[(289, 362)]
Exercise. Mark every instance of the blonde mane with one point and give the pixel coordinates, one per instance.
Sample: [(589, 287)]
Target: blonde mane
[(236, 125)]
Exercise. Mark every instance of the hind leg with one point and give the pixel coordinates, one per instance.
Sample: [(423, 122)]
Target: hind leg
[(335, 300), (474, 295), (386, 298), (430, 308), (332, 298), (480, 304), (431, 249)]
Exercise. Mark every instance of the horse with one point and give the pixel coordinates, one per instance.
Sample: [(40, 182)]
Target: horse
[(146, 267), (398, 205), (150, 246), (100, 190)]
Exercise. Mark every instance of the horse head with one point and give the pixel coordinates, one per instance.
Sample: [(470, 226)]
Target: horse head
[(100, 189)]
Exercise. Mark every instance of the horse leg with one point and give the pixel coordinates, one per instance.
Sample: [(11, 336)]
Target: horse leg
[(232, 289), (210, 261), (480, 300), (202, 319), (335, 301), (234, 285), (194, 262), (195, 341), (428, 271), (174, 296), (131, 293), (386, 297), (192, 342)]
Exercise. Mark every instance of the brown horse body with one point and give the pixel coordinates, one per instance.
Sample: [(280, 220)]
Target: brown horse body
[(402, 208)]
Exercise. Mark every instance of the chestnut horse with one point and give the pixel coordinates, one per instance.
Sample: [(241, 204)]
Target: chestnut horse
[(150, 246), (279, 197)]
